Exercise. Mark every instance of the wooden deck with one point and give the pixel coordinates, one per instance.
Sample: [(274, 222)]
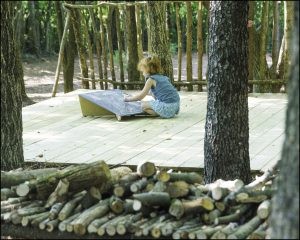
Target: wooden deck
[(55, 131)]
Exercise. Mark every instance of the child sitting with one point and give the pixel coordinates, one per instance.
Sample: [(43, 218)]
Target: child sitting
[(167, 101)]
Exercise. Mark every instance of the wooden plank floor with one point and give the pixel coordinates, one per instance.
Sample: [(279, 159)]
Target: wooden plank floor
[(55, 131)]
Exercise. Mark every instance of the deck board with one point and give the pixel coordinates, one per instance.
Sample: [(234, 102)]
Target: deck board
[(55, 131)]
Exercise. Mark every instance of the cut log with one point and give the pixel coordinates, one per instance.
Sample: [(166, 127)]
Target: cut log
[(14, 178), (138, 185), (51, 225), (59, 194), (30, 211), (129, 178), (92, 197), (264, 209), (7, 193), (179, 208), (192, 224), (170, 227), (55, 209), (246, 229), (67, 209), (149, 187), (95, 224), (36, 221), (233, 217), (156, 231), (161, 199), (196, 191), (79, 176), (146, 169), (42, 224), (221, 206), (122, 226), (133, 227), (27, 219), (190, 177), (10, 201), (101, 230), (111, 228), (177, 189), (213, 215), (219, 192), (15, 206), (116, 205), (260, 232), (63, 225), (162, 176), (206, 231), (159, 187), (222, 234), (96, 211), (146, 227)]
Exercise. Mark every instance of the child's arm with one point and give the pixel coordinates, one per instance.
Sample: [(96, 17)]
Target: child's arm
[(149, 83)]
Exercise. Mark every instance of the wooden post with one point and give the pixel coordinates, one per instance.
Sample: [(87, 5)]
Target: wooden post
[(199, 45), (61, 54), (98, 47), (179, 43)]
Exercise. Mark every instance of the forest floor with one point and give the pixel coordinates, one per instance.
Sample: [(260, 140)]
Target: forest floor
[(39, 74)]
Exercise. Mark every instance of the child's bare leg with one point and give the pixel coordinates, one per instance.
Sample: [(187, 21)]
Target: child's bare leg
[(148, 109)]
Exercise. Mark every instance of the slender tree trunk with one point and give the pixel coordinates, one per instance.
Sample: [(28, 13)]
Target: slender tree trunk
[(226, 143), (275, 38), (90, 50), (120, 45), (159, 40), (76, 20), (139, 35), (48, 28), (131, 34), (69, 53), (11, 98), (285, 217), (199, 44), (110, 44), (148, 30), (33, 28), (103, 46), (179, 41), (189, 25), (251, 43)]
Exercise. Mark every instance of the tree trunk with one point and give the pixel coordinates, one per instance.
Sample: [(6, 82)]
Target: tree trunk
[(226, 143), (103, 46), (199, 44), (33, 28), (110, 44), (251, 43), (139, 35), (69, 54), (189, 64), (159, 40), (179, 41), (76, 18), (11, 95), (120, 45), (131, 35), (285, 217), (275, 38)]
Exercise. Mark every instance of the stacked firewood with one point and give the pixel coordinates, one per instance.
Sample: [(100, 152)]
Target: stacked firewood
[(93, 199)]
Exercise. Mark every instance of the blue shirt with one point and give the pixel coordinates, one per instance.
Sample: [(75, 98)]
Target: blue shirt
[(164, 90)]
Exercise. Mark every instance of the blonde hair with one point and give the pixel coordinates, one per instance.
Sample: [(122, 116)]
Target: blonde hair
[(152, 63)]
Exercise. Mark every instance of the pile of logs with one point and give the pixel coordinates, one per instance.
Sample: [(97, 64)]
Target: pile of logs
[(93, 199)]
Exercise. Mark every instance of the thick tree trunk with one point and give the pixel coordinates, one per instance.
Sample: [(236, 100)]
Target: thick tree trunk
[(11, 95), (110, 44), (285, 217), (76, 19), (226, 144), (179, 41), (131, 35), (199, 44), (189, 25), (159, 39)]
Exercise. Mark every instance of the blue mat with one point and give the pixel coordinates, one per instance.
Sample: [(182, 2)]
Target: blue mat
[(113, 101)]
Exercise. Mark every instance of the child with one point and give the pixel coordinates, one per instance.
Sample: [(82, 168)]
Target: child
[(167, 101)]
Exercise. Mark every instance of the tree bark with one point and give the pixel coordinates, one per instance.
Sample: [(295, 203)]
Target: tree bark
[(285, 217), (120, 45), (11, 95), (226, 143), (110, 44), (199, 44), (251, 49), (189, 39), (275, 38), (33, 28), (159, 39), (131, 35)]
